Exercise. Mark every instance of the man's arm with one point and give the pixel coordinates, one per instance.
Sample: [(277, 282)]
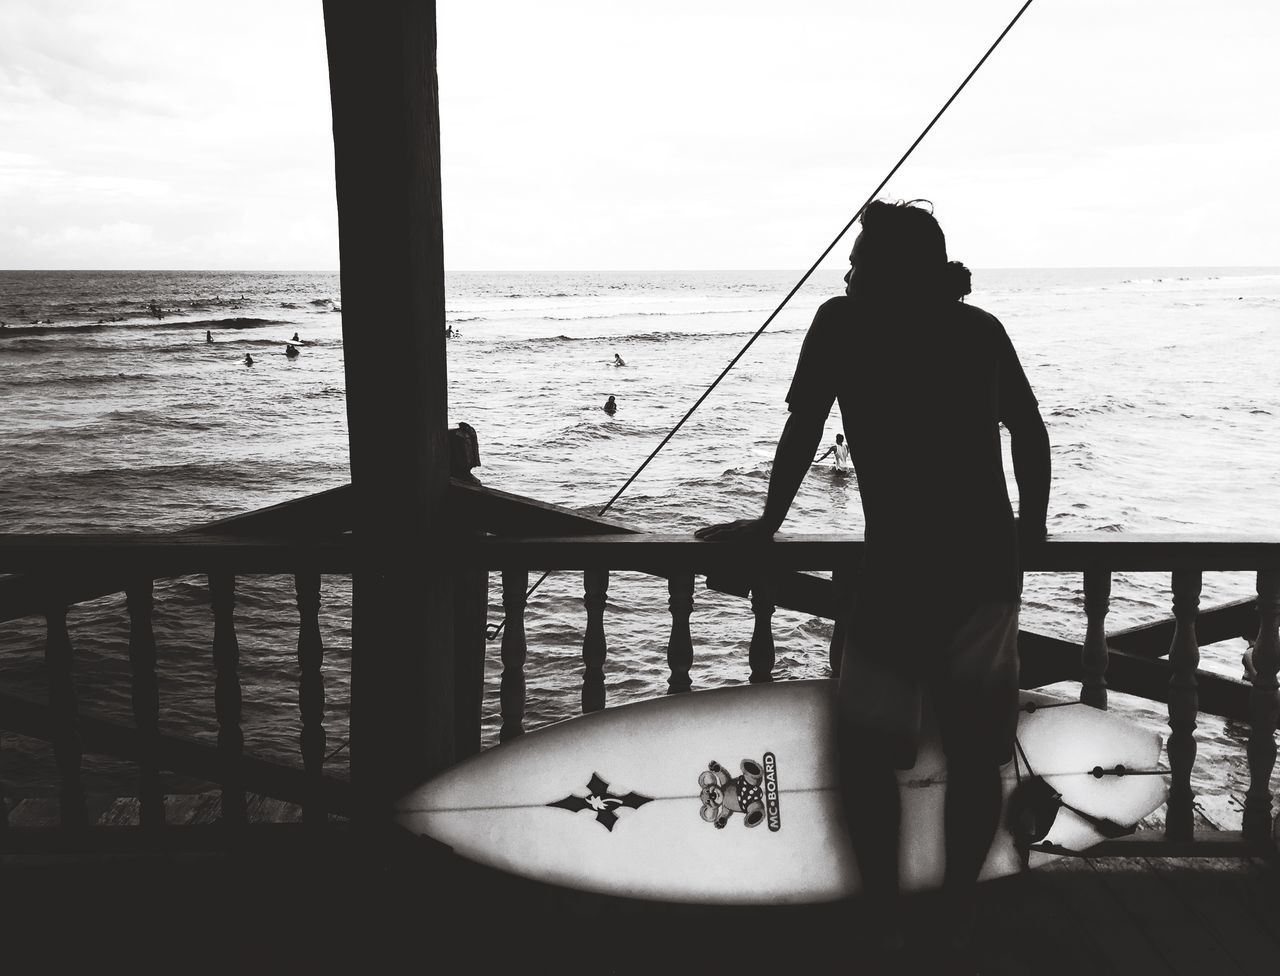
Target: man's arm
[(812, 394), (800, 439), (1029, 441), (829, 452)]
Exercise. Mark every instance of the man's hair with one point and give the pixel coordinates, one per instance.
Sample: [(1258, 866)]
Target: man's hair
[(902, 253)]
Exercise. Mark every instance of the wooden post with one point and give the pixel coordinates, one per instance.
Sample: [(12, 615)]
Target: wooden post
[(1262, 663), (386, 137), (470, 612), (1093, 656), (1184, 704), (844, 588), (595, 594), (64, 713), (762, 653), (146, 701), (515, 583), (226, 696), (680, 643), (313, 739)]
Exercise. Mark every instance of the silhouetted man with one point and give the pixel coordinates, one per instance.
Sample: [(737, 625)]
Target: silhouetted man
[(924, 383)]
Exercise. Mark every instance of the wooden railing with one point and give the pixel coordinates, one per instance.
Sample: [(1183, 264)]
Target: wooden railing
[(46, 581), (771, 573), (776, 566)]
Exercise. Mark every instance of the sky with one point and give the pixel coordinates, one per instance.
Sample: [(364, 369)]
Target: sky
[(669, 134)]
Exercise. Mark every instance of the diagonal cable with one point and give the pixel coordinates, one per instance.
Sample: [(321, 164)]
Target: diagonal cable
[(791, 294)]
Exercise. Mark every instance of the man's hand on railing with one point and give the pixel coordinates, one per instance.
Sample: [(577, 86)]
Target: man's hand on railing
[(743, 530)]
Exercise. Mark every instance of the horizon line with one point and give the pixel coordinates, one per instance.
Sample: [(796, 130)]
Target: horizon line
[(993, 267)]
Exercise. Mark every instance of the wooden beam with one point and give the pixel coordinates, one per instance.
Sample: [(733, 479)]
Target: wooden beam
[(504, 513), (1236, 619), (1048, 659), (386, 137), (62, 562), (186, 757)]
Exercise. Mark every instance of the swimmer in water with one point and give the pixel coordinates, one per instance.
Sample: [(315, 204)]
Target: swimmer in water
[(617, 360), (248, 360), (841, 450), (290, 350), (208, 336), (610, 406)]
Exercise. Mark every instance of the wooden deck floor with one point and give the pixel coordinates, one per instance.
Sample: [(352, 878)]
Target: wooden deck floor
[(338, 905)]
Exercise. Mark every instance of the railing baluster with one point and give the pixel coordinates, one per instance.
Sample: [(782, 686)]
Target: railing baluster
[(1262, 663), (762, 652), (595, 591), (1093, 656), (145, 691), (58, 657), (680, 644), (514, 648), (1184, 703), (312, 739), (226, 696)]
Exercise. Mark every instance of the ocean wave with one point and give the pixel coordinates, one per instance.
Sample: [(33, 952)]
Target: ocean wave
[(83, 379), (674, 335), (593, 429), (641, 315), (155, 325), (101, 481)]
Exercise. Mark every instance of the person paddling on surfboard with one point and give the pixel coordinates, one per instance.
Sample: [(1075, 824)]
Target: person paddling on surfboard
[(924, 382), (841, 450)]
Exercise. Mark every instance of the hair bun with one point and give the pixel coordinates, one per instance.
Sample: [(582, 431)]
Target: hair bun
[(957, 281)]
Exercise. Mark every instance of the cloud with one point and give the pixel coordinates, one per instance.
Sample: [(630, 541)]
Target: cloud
[(580, 134)]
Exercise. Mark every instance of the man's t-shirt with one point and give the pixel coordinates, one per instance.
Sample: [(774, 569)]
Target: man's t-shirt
[(923, 390), (841, 456)]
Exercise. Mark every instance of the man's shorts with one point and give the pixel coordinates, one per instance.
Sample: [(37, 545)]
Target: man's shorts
[(971, 677)]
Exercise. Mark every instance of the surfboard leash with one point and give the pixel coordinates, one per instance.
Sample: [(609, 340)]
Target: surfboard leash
[(494, 632)]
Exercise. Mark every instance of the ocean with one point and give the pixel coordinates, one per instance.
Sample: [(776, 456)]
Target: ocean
[(1156, 384)]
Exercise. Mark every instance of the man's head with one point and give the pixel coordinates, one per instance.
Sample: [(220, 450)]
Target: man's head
[(901, 251), (839, 438)]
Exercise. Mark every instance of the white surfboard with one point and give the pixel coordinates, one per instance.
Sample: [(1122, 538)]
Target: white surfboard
[(654, 799)]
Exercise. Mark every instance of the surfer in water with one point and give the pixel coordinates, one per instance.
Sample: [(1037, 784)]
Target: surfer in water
[(610, 406), (295, 337), (248, 360), (617, 360), (208, 336), (291, 350), (924, 382), (841, 450)]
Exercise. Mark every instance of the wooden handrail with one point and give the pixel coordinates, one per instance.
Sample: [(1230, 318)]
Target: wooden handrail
[(650, 552), (65, 558), (167, 554), (324, 513)]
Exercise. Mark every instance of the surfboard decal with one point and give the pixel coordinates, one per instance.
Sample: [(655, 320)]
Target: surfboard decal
[(602, 801), (771, 807), (754, 793)]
